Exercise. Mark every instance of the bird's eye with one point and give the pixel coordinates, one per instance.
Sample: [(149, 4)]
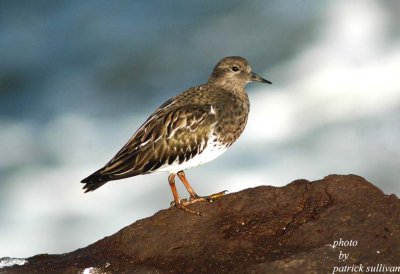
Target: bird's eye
[(235, 68)]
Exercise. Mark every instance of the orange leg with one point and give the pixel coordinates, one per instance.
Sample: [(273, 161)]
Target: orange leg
[(189, 188), (193, 196), (171, 180), (177, 201)]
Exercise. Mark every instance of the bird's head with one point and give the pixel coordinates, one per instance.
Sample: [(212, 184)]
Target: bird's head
[(234, 72)]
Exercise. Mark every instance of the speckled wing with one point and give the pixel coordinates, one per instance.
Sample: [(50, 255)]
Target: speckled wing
[(170, 135)]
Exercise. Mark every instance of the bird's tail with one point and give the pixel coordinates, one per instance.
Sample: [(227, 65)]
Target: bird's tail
[(95, 181)]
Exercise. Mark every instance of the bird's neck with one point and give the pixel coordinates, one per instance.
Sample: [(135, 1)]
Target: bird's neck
[(227, 84)]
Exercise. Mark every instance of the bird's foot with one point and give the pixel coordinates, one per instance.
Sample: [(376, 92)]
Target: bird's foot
[(182, 205), (188, 210), (194, 199), (209, 198)]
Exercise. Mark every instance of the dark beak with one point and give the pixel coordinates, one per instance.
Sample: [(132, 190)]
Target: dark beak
[(255, 78)]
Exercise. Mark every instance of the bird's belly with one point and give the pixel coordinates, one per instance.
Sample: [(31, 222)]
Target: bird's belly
[(210, 152)]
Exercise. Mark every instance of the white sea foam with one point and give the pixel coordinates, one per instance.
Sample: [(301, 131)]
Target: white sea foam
[(6, 261)]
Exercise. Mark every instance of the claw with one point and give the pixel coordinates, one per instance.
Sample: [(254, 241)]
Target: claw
[(188, 210), (217, 195), (209, 198), (194, 198)]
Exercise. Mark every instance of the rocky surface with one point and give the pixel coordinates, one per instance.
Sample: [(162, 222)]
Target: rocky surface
[(299, 228)]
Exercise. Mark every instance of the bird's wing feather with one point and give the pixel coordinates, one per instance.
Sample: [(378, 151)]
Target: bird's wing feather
[(171, 134)]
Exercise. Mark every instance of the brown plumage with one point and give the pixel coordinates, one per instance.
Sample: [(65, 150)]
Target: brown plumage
[(188, 130)]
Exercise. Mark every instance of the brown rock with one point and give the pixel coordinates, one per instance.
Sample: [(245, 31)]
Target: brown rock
[(265, 229)]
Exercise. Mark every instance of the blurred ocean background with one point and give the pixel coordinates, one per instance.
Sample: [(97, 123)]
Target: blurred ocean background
[(77, 78)]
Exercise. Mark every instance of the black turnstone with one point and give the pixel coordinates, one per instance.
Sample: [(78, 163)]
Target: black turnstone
[(188, 130)]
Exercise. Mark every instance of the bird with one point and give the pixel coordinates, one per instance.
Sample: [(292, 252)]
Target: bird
[(186, 131)]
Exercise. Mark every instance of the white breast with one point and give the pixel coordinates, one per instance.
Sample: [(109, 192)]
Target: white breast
[(210, 152)]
